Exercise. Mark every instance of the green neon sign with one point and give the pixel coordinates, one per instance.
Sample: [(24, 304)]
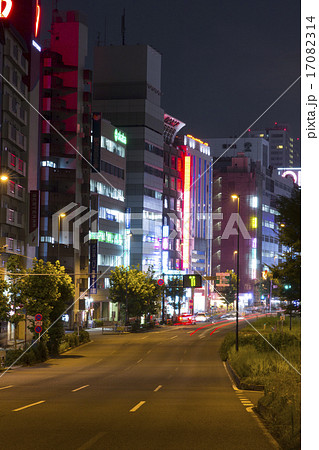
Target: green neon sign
[(192, 281), (120, 136)]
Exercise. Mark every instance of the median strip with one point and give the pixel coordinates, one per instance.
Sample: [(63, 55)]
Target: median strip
[(136, 407), (28, 406)]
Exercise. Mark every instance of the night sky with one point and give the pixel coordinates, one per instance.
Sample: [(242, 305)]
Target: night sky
[(223, 62)]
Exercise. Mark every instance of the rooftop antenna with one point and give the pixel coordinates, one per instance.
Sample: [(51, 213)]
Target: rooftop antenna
[(123, 27)]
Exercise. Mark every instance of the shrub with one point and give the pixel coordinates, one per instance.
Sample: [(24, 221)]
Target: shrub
[(84, 336), (12, 355)]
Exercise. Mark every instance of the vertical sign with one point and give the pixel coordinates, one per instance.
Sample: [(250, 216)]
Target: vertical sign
[(186, 215), (34, 210), (93, 267), (96, 141)]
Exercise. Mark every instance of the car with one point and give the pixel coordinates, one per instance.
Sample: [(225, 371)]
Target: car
[(186, 319), (200, 317)]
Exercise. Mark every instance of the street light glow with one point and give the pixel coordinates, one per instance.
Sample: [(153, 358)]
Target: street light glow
[(4, 177)]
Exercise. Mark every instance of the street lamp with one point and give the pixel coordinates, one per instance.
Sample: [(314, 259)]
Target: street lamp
[(59, 226), (129, 235), (237, 197)]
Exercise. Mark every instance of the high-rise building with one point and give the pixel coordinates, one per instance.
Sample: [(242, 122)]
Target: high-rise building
[(65, 151), (19, 133), (172, 261), (197, 213), (282, 151), (258, 189), (127, 90), (109, 233)]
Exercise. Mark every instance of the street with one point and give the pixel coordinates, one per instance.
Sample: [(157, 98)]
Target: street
[(165, 389)]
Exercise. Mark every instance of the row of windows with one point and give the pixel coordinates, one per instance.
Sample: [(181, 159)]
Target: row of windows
[(154, 194), (112, 147), (107, 190), (16, 162), (152, 171), (270, 239), (112, 170), (173, 183), (153, 149)]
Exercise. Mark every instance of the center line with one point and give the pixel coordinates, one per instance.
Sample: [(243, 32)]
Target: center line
[(158, 388), (137, 406), (6, 387), (173, 337), (29, 406), (78, 389)]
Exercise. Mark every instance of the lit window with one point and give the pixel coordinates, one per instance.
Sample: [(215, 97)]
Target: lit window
[(253, 221)]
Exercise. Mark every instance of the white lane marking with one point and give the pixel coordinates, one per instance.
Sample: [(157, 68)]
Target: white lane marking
[(144, 337), (136, 407), (158, 388), (82, 387), (99, 360), (173, 337), (92, 441), (149, 351), (28, 406), (6, 387), (140, 360)]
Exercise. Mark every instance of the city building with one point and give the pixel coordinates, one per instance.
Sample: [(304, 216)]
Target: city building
[(197, 214), (173, 186), (282, 149), (19, 135), (65, 152), (127, 91), (109, 235), (258, 189)]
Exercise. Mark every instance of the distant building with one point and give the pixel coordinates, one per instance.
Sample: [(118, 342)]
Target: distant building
[(282, 150), (258, 189), (127, 90)]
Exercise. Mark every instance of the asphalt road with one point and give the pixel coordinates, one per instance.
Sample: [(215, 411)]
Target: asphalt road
[(165, 389)]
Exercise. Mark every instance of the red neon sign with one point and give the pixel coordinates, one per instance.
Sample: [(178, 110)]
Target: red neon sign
[(5, 11), (37, 19)]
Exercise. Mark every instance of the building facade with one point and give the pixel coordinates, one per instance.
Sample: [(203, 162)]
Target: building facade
[(65, 152), (127, 90), (108, 230)]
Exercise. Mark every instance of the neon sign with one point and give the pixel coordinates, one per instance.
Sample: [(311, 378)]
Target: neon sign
[(37, 18), (4, 12), (186, 218), (120, 136)]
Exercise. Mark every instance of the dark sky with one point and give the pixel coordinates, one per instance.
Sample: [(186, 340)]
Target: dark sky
[(223, 62)]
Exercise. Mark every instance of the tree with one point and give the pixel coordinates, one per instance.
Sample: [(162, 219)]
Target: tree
[(139, 288), (229, 292), (288, 273), (48, 289), (174, 288), (16, 275), (4, 302)]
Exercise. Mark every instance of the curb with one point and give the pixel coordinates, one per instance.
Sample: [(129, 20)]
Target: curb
[(239, 384)]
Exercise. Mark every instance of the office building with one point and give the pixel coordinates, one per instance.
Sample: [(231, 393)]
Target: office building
[(127, 91)]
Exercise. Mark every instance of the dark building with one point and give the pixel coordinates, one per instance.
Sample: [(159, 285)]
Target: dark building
[(65, 151), (127, 90)]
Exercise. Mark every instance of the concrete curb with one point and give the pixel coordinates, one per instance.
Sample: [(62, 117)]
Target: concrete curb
[(240, 384)]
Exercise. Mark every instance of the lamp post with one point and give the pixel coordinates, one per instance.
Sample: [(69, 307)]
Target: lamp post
[(129, 235), (59, 227), (237, 197)]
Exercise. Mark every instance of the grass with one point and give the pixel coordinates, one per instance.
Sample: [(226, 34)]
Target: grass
[(256, 362)]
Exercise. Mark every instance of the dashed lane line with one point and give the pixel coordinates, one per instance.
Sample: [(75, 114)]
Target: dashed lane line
[(6, 387), (136, 407), (28, 406), (79, 388)]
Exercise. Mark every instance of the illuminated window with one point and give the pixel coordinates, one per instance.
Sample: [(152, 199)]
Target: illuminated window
[(253, 221), (12, 160)]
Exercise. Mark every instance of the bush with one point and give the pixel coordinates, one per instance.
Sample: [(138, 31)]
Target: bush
[(98, 323), (84, 336), (11, 356)]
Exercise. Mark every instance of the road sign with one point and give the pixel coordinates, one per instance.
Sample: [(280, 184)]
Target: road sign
[(38, 329), (223, 279), (160, 282), (38, 317), (38, 323), (192, 281)]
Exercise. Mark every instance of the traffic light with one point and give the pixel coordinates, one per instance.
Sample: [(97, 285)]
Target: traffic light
[(192, 281), (287, 286)]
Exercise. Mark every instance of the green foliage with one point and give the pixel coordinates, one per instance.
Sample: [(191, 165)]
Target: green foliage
[(289, 271), (141, 288), (4, 301), (229, 292)]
